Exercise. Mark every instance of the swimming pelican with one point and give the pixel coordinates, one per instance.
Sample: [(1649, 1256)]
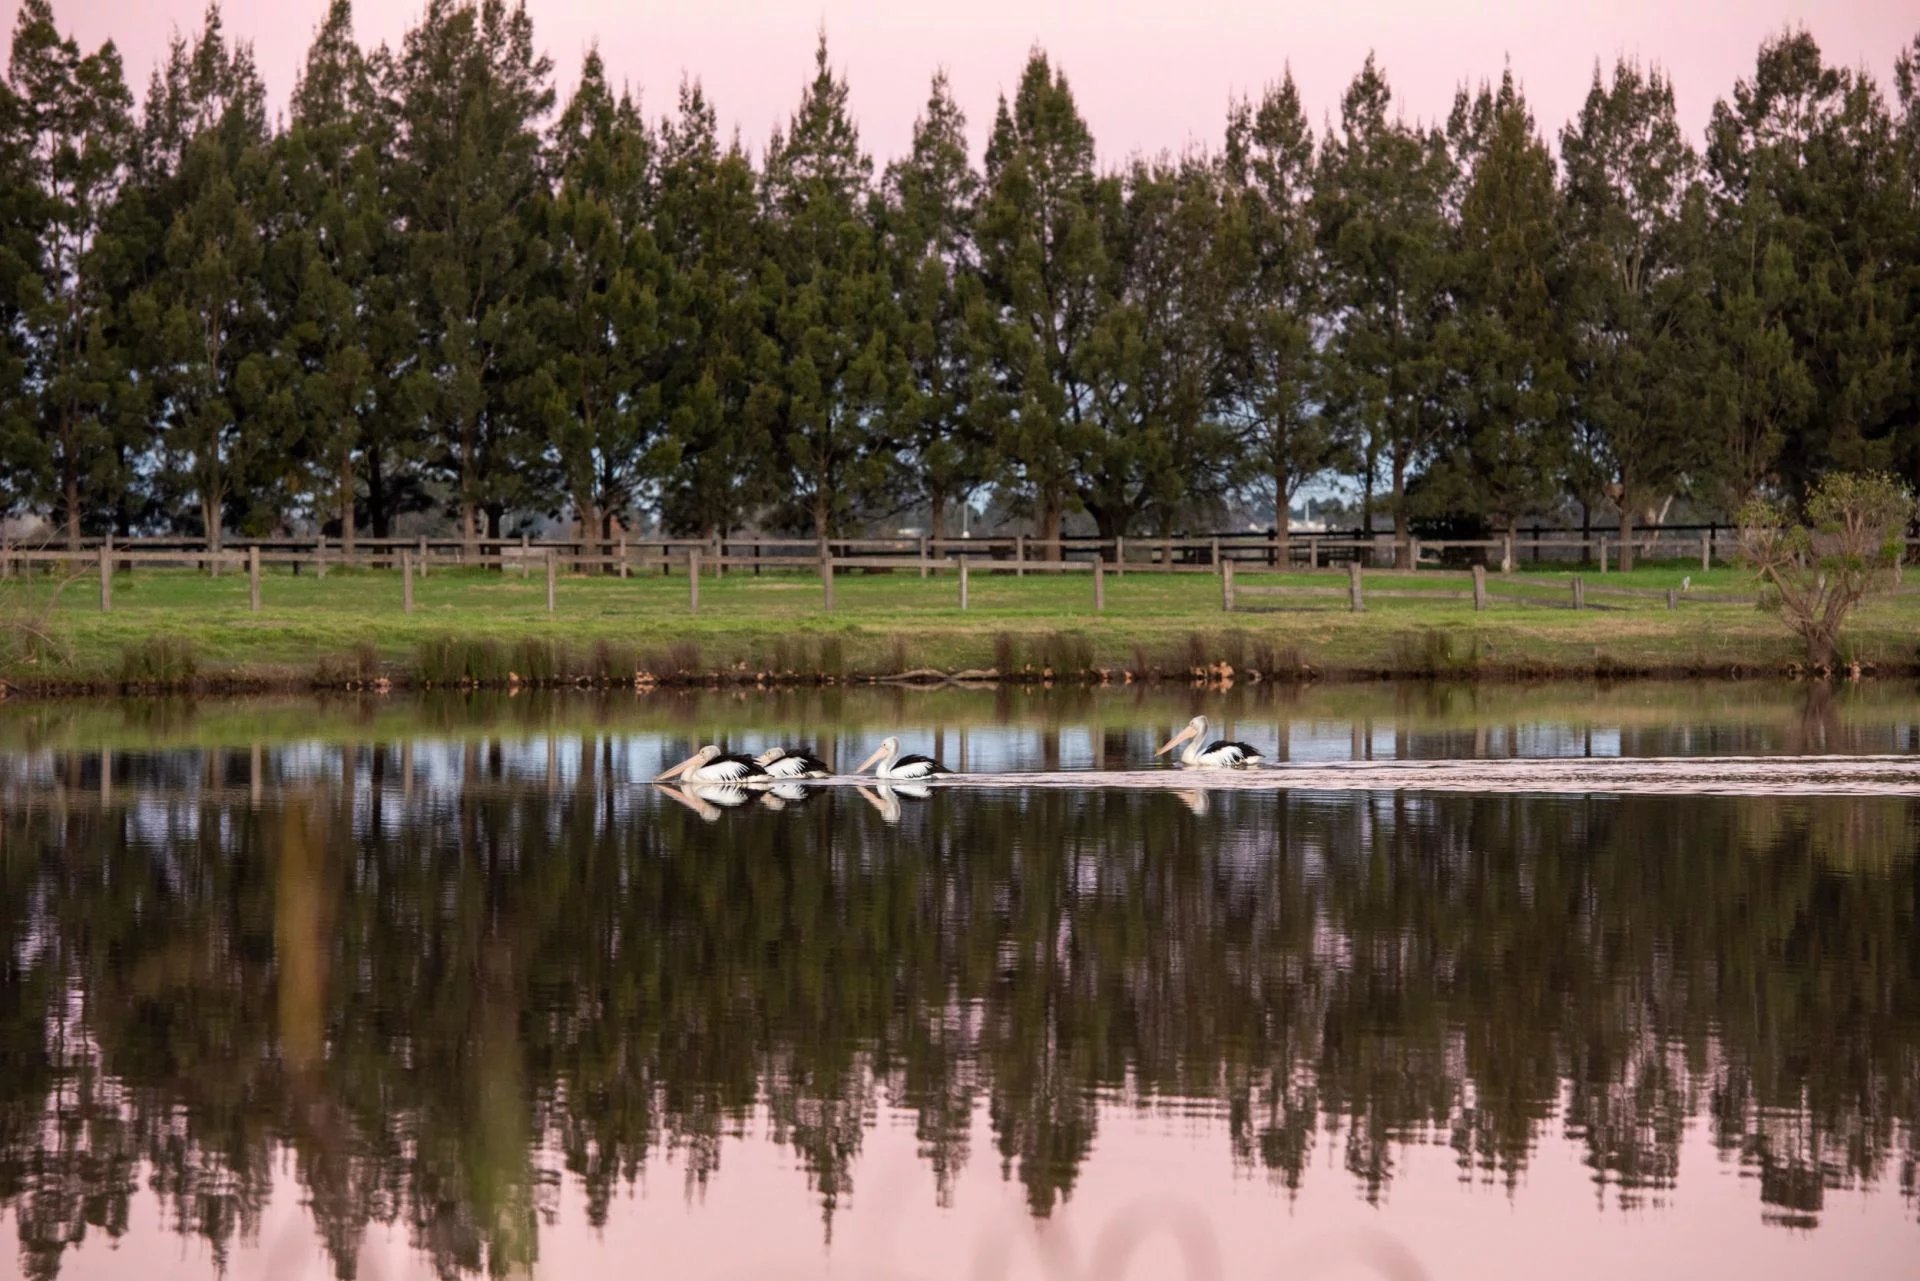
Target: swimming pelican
[(895, 766), (783, 763), (711, 765), (1219, 754)]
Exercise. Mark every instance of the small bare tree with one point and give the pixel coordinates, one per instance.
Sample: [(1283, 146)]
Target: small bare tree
[(1815, 570)]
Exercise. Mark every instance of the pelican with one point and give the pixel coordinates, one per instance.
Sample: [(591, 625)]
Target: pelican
[(1219, 754), (711, 765), (895, 766), (782, 763)]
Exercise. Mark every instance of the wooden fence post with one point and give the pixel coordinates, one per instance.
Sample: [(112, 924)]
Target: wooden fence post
[(1019, 555), (253, 578), (1355, 600), (1213, 550), (1579, 593), (1506, 553), (1099, 585), (693, 580), (826, 579), (553, 572), (1479, 589), (406, 582), (1120, 555), (1226, 587), (923, 557), (320, 558), (963, 584), (1673, 599), (1603, 553), (106, 579), (623, 556), (526, 550), (1706, 551), (423, 555)]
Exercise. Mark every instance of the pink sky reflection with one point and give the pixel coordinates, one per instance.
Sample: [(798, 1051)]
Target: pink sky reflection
[(1150, 75), (1149, 1172)]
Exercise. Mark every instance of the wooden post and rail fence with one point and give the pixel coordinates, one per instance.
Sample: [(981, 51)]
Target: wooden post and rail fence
[(1447, 569)]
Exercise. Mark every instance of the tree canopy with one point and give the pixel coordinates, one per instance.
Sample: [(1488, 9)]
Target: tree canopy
[(437, 287)]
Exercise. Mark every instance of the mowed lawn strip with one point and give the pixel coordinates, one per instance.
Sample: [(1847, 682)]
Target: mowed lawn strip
[(886, 621)]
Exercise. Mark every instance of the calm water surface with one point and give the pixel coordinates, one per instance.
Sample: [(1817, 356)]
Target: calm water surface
[(393, 989)]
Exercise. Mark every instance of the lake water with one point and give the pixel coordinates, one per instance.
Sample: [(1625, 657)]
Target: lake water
[(395, 988)]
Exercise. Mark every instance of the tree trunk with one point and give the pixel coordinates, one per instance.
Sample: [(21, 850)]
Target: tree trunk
[(1366, 490), (346, 505), (1819, 647), (469, 528), (937, 513), (70, 485), (377, 495), (1282, 515), (210, 517), (822, 515), (589, 527), (1626, 535), (1402, 532), (1052, 513)]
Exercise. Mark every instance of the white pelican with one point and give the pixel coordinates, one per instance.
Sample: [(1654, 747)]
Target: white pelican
[(711, 765), (895, 766), (783, 763), (1219, 754)]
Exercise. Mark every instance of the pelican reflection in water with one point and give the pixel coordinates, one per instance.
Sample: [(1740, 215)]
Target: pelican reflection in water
[(886, 799), (708, 800), (1219, 754), (781, 795)]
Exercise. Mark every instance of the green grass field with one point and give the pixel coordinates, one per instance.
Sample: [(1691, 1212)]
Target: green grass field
[(889, 622)]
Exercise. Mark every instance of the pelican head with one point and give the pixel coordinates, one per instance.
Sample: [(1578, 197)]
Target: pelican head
[(888, 749), (769, 756), (1195, 728), (699, 758)]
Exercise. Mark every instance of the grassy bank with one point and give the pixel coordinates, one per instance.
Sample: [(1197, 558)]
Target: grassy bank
[(170, 626)]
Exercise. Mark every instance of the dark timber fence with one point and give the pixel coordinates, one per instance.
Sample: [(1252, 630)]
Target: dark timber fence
[(627, 554), (1430, 570)]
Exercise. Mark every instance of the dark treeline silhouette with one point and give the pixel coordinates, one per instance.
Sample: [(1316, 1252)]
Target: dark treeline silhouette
[(437, 980), (437, 288)]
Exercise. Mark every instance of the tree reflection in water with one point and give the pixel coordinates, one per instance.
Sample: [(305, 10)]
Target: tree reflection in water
[(444, 980)]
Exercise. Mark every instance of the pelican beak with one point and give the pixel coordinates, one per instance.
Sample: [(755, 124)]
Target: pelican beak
[(863, 766), (1175, 741), (677, 770)]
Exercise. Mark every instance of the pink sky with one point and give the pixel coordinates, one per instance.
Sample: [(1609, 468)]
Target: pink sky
[(1150, 75)]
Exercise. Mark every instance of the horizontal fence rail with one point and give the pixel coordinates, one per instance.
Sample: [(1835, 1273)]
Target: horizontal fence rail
[(1415, 573)]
